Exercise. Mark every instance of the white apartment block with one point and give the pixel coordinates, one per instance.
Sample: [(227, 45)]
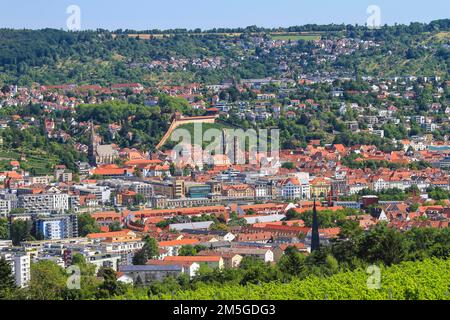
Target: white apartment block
[(261, 191), (53, 230), (104, 260), (5, 208), (291, 190), (102, 193), (45, 180), (144, 189), (44, 203), (355, 188), (382, 184), (20, 267), (125, 250)]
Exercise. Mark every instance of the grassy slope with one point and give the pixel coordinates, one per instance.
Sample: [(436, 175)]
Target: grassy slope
[(190, 128), (41, 161)]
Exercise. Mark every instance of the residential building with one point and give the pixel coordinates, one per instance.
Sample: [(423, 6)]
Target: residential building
[(104, 260), (320, 187), (146, 274), (44, 202), (210, 261), (57, 227), (20, 267)]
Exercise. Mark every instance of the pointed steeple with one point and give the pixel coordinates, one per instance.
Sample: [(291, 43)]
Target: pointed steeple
[(315, 240), (92, 144)]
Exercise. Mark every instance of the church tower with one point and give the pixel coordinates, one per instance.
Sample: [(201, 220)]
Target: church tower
[(92, 151)]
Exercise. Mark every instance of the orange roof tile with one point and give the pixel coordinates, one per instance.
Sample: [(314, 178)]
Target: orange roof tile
[(181, 242), (194, 259), (121, 233)]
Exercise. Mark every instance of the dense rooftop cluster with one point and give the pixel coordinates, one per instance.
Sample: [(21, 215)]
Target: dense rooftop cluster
[(88, 175)]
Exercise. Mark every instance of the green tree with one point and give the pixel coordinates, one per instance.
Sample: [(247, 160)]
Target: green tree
[(87, 225), (292, 263), (256, 271), (438, 194), (187, 250), (413, 207), (139, 199), (288, 165), (167, 286), (48, 281), (217, 226), (110, 287), (292, 215), (149, 251), (115, 226), (21, 231), (350, 229), (172, 169), (89, 282), (140, 258), (151, 247), (383, 244), (4, 229), (7, 282)]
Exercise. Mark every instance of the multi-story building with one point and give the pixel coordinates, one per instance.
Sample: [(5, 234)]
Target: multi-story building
[(146, 274), (172, 189), (265, 190), (74, 202), (291, 189), (20, 267), (64, 176), (178, 189), (296, 188), (44, 202), (57, 227), (199, 191), (430, 127), (5, 208), (101, 193), (44, 180), (339, 187), (125, 250), (444, 163), (238, 191), (144, 189), (106, 260), (320, 187)]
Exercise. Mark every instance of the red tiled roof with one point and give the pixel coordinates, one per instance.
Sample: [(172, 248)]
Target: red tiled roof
[(181, 242), (121, 233), (194, 259)]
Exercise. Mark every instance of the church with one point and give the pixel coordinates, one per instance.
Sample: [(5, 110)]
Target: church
[(100, 154)]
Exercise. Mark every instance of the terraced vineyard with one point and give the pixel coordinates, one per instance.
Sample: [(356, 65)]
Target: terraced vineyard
[(425, 280), (41, 162)]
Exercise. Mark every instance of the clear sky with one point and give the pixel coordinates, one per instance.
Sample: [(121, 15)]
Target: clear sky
[(207, 14)]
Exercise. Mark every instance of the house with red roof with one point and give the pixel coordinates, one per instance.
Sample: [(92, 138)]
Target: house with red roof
[(172, 247), (210, 261)]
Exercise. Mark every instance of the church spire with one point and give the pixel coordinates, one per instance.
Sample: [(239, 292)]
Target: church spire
[(315, 240), (92, 145)]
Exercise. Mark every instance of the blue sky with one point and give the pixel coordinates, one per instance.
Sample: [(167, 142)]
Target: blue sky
[(207, 14)]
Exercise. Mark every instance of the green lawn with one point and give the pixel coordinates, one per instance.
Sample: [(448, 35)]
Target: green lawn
[(190, 128)]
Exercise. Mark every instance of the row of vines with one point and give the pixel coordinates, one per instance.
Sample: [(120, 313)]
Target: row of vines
[(429, 279)]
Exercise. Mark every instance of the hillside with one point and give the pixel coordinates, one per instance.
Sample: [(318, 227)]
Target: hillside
[(408, 281), (175, 57)]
